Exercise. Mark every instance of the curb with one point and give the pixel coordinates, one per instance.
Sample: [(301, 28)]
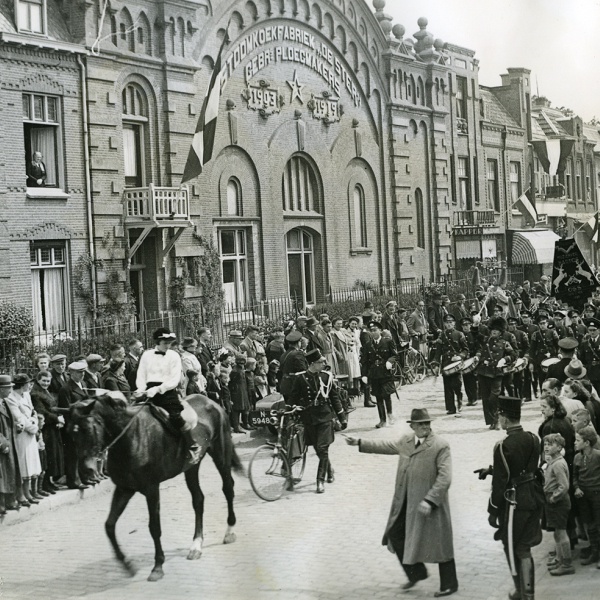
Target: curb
[(61, 498)]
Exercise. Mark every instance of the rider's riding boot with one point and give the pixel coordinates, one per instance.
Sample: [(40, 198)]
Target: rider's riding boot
[(527, 578), (192, 445)]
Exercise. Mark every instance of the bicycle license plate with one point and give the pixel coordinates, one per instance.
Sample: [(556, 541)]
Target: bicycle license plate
[(260, 417)]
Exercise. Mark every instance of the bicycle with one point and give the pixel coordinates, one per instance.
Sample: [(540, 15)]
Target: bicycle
[(413, 366), (277, 466)]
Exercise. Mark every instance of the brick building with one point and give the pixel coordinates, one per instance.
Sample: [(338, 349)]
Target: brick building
[(344, 151)]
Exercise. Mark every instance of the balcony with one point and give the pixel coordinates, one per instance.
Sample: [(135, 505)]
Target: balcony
[(474, 219), (157, 206)]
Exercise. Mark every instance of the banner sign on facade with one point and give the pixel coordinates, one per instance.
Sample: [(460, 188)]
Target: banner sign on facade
[(572, 279)]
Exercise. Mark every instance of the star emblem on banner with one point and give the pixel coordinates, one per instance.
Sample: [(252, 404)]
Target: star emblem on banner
[(296, 88)]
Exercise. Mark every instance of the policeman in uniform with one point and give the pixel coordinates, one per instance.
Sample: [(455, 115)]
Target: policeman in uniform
[(454, 348), (316, 392), (567, 347), (377, 359), (589, 352), (522, 347), (516, 489), (470, 379), (292, 361), (494, 353), (543, 344)]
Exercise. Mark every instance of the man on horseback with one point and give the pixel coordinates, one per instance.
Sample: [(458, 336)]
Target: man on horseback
[(159, 374)]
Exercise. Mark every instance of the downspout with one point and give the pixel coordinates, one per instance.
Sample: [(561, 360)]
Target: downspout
[(507, 200), (88, 185)]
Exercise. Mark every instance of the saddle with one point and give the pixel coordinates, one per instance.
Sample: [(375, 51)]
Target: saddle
[(190, 416)]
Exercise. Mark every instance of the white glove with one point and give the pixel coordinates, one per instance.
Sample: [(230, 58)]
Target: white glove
[(456, 358), (388, 365), (501, 362), (364, 379)]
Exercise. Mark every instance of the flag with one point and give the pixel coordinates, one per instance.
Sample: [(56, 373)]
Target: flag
[(593, 227), (204, 137), (527, 209)]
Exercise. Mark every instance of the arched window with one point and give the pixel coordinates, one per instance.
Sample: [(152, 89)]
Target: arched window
[(301, 265), (135, 125), (420, 218), (234, 198), (300, 191), (360, 218)]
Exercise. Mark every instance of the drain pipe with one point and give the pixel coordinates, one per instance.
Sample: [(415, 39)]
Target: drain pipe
[(88, 185)]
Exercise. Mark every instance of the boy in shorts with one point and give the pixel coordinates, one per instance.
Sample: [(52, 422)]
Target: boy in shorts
[(558, 503)]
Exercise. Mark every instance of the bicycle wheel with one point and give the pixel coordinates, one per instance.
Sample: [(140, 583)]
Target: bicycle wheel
[(268, 473), (297, 465), (418, 368)]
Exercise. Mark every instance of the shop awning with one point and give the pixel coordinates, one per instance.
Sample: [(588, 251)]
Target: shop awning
[(535, 247), (468, 249)]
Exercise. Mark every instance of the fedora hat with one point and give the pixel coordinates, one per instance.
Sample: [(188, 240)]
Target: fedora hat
[(575, 369), (419, 415), (6, 381), (312, 321)]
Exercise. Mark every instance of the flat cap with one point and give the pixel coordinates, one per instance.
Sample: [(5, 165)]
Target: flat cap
[(235, 333), (79, 365), (58, 358), (93, 358), (293, 337)]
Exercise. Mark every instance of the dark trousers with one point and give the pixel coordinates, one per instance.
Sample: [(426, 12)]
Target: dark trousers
[(470, 381), (518, 384), (71, 460), (589, 513), (171, 403), (489, 388), (452, 392), (538, 378), (527, 384), (417, 571), (366, 388), (384, 403), (508, 387)]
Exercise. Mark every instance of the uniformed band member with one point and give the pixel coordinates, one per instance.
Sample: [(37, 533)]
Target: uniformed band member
[(377, 360), (589, 352), (507, 378), (454, 348), (515, 488), (543, 344), (494, 353), (522, 347), (316, 392), (567, 348), (158, 376), (528, 327), (470, 379)]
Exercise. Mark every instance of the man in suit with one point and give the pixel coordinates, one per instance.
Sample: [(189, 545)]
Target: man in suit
[(418, 327), (69, 394), (435, 315), (377, 359), (233, 343), (315, 335), (36, 171), (419, 528), (454, 348), (91, 376), (390, 321), (204, 352), (10, 478), (460, 309), (314, 389), (516, 459), (58, 367), (589, 352), (567, 347), (132, 361)]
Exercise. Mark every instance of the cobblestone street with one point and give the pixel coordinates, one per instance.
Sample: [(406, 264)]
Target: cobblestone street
[(304, 546)]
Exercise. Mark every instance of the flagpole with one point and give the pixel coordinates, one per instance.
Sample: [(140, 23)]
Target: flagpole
[(585, 222)]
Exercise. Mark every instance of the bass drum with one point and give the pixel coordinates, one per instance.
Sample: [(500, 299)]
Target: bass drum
[(547, 362), (452, 368), (470, 364)]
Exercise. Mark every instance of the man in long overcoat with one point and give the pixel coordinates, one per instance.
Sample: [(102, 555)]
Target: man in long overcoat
[(419, 528), (9, 468)]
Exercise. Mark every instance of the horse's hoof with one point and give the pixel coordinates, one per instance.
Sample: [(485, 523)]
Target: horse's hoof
[(129, 567), (156, 575), (194, 554), (229, 538)]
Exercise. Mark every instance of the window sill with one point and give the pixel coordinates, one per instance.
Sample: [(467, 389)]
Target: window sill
[(366, 251), (46, 193)]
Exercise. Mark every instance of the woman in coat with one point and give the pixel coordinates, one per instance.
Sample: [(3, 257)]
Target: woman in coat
[(114, 378), (419, 528), (45, 404), (342, 342), (28, 456)]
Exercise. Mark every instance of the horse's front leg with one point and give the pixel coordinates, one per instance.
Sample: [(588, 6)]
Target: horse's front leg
[(228, 491), (192, 479), (153, 501), (120, 499)]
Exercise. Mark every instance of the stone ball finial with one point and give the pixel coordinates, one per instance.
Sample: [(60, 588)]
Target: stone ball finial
[(386, 26), (398, 31), (438, 45), (422, 22), (378, 4)]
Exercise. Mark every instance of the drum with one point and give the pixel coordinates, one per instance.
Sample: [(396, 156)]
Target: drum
[(470, 364), (507, 368), (519, 365), (452, 368), (547, 362)]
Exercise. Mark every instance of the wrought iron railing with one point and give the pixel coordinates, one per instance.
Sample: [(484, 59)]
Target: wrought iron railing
[(474, 218)]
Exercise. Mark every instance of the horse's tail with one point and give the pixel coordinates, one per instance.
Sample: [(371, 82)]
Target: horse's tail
[(227, 448)]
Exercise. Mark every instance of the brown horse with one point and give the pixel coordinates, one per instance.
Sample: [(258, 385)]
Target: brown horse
[(142, 453)]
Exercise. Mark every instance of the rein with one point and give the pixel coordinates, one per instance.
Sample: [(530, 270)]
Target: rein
[(124, 430)]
